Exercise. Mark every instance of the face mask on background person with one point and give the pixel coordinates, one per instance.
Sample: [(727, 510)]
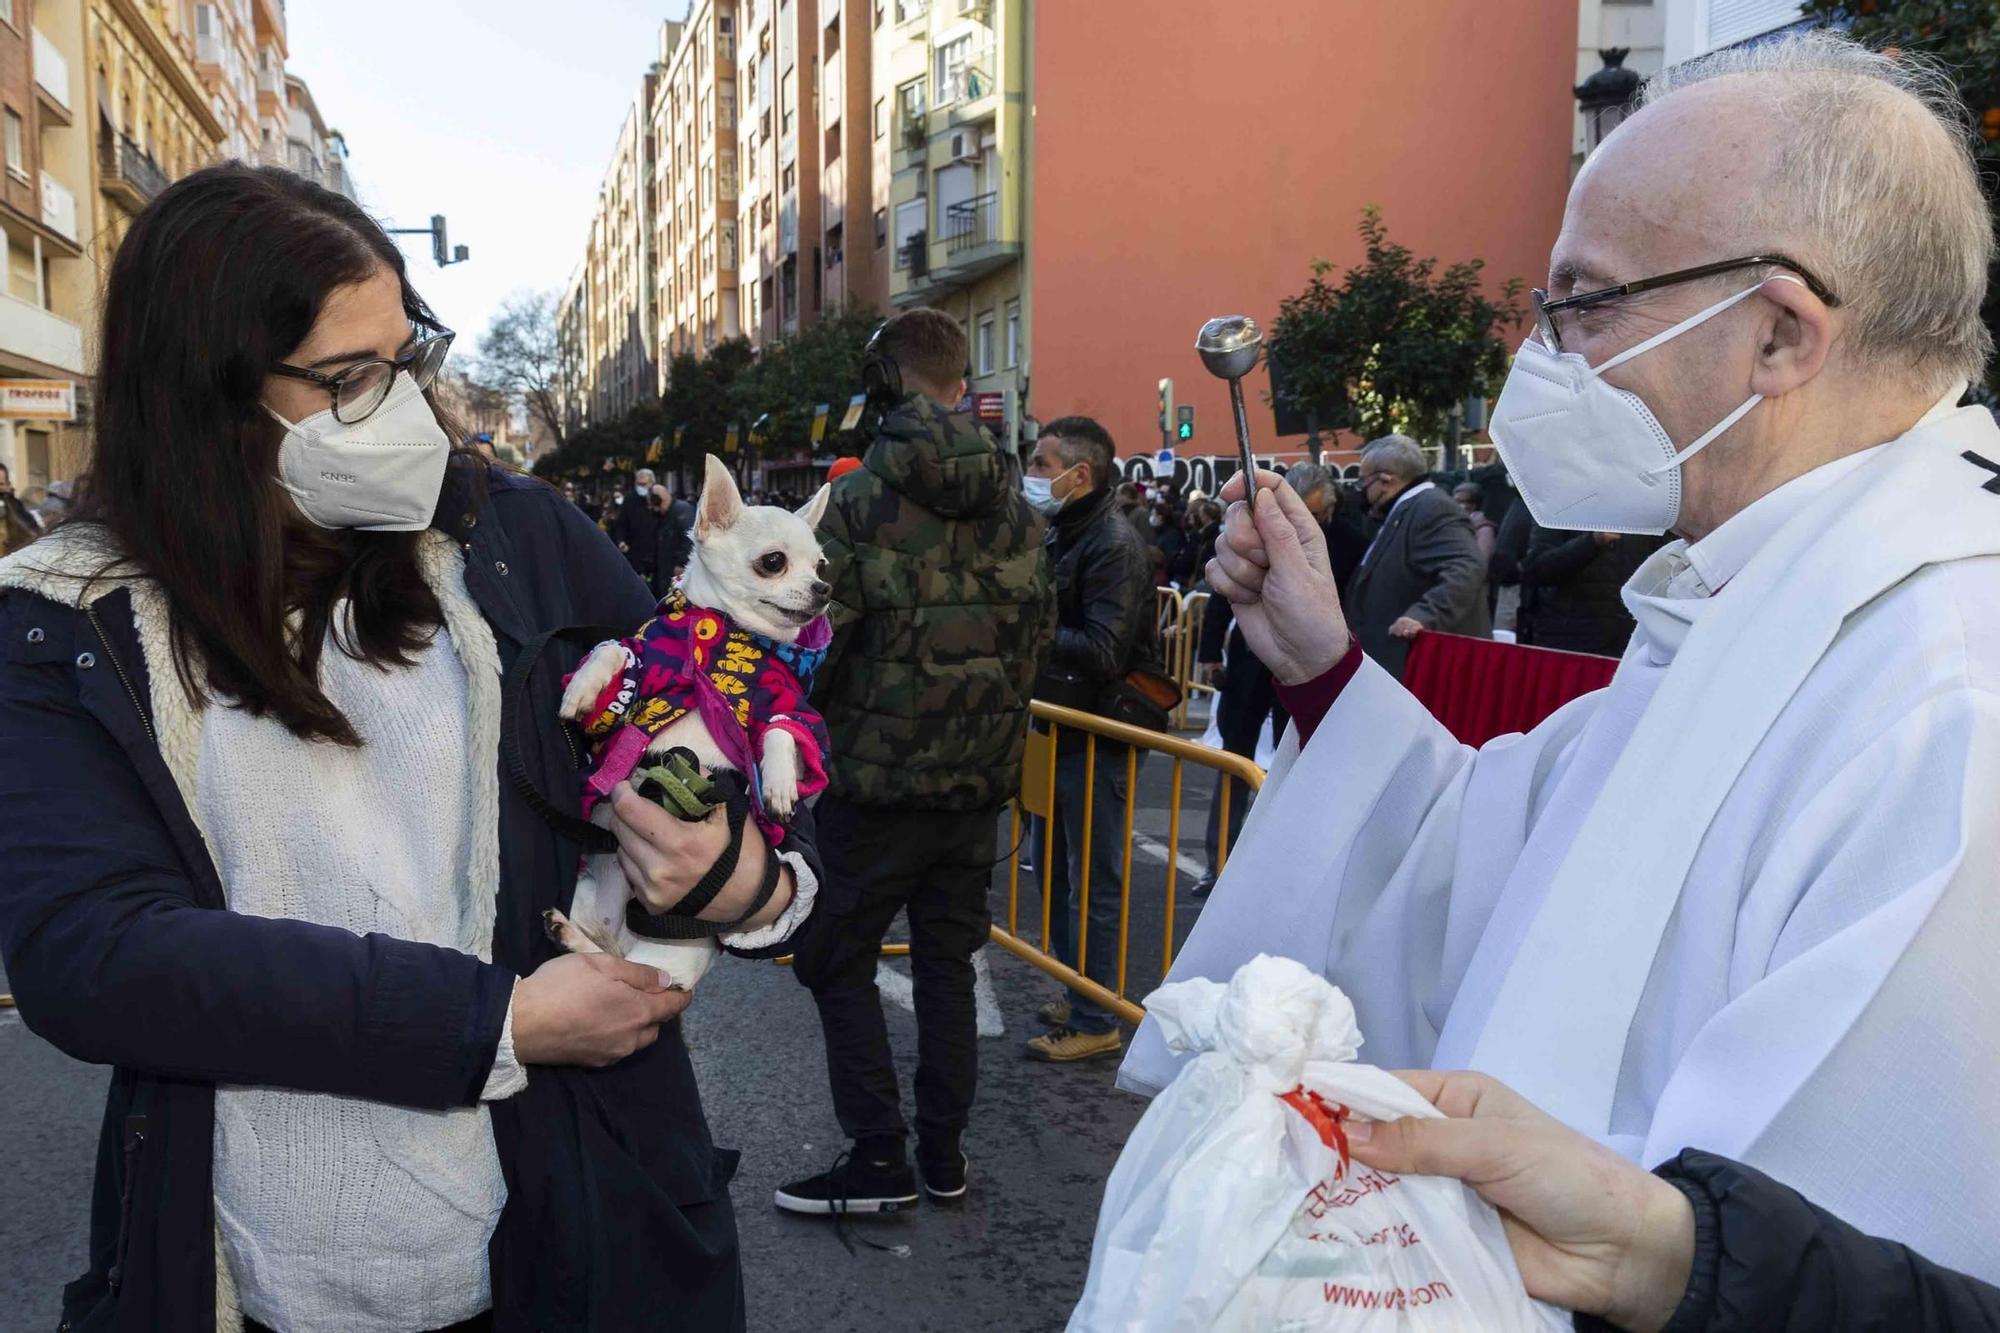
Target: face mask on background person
[(380, 474), (1041, 493), (1589, 457)]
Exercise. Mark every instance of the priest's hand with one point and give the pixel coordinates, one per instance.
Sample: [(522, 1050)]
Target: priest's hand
[(1273, 568), (1590, 1231)]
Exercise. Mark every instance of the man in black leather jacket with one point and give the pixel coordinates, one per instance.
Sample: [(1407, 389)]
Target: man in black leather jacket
[(1104, 630)]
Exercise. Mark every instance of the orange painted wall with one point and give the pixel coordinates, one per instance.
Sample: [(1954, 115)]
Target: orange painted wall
[(1192, 159)]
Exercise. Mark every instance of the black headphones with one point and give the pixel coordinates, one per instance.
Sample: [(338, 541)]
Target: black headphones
[(881, 377)]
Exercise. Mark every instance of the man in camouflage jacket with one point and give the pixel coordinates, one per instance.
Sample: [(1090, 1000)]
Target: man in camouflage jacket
[(944, 604)]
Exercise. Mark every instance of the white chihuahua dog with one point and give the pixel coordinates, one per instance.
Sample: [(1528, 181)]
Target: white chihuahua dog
[(761, 567)]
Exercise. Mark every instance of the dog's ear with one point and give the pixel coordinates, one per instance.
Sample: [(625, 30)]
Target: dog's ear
[(815, 508), (721, 503)]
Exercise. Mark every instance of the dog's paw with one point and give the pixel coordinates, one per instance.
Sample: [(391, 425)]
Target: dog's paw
[(563, 933), (592, 675), (779, 769)]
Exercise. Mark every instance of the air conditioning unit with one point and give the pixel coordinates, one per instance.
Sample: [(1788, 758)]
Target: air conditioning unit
[(965, 146)]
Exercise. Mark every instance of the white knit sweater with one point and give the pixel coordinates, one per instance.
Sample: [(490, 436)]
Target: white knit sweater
[(338, 1213)]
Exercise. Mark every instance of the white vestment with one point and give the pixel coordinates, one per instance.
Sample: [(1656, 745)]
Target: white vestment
[(1746, 898)]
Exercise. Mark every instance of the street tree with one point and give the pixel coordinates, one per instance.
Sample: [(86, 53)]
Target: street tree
[(700, 405), (518, 353), (1963, 36), (790, 379), (1394, 344)]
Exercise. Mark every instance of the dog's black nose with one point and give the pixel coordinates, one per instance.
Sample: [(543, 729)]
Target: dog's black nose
[(821, 589)]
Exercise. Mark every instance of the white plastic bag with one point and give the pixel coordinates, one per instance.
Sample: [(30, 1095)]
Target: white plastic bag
[(1233, 1206)]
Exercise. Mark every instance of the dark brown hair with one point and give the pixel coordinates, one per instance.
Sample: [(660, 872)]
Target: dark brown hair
[(219, 279), (928, 346)]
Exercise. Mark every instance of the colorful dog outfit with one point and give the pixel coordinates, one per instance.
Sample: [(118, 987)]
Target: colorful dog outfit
[(744, 685)]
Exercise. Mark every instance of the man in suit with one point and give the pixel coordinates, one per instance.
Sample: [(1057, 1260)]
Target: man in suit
[(1423, 571)]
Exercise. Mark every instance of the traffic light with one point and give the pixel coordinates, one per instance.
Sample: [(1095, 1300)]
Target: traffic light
[(440, 251), (1166, 405), (1184, 425)]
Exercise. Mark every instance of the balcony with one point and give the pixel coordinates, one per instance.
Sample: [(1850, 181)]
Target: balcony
[(964, 83), (127, 173), (971, 224), (52, 79), (28, 330), (58, 207)]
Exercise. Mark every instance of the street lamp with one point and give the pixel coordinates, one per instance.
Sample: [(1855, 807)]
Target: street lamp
[(1607, 97)]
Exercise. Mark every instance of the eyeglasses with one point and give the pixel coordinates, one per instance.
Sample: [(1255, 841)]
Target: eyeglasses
[(361, 388), (1548, 313)]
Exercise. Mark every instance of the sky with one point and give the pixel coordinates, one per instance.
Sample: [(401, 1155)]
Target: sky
[(500, 114)]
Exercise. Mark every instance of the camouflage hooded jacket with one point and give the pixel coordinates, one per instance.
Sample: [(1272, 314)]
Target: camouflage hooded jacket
[(944, 606)]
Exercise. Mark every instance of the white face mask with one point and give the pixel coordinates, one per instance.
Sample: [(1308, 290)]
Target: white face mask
[(1589, 457), (379, 475), (1041, 495)]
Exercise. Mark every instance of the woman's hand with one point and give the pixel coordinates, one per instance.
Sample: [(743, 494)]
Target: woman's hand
[(1272, 566), (1590, 1231), (664, 856), (590, 1009)]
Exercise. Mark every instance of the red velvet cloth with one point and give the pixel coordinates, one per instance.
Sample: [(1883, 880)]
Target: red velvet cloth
[(1480, 688)]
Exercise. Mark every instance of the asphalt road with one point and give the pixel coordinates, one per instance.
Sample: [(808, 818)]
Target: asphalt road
[(1012, 1256)]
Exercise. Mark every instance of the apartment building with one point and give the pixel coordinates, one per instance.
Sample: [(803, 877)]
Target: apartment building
[(695, 225), (45, 222), (311, 149), (619, 352), (239, 48), (156, 120), (779, 205), (853, 117), (573, 350), (951, 176)]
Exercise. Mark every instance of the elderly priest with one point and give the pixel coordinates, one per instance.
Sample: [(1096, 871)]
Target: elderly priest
[(1747, 898)]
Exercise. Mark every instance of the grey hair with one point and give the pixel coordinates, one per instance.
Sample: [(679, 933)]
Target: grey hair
[(1309, 479), (1876, 190), (1399, 454)]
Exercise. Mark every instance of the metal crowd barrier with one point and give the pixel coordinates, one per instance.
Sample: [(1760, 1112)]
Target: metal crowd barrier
[(1177, 616), (1037, 799)]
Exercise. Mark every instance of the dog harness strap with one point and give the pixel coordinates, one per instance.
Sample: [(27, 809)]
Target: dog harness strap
[(681, 921)]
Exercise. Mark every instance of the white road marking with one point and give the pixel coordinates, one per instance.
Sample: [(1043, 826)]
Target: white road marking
[(899, 990), (1157, 850)]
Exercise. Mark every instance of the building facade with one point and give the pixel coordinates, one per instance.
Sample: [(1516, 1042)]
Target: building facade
[(953, 81), (779, 147), (695, 224), (45, 221), (854, 270), (573, 350), (618, 340), (311, 149), (1219, 204), (1695, 27)]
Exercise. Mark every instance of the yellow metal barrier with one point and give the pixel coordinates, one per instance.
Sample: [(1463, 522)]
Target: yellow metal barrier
[(1177, 616), (1037, 799)]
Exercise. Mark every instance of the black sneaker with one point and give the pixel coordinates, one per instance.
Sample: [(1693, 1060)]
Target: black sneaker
[(852, 1186), (943, 1176)]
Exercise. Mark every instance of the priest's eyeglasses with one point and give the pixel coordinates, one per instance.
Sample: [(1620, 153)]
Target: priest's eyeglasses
[(1553, 317)]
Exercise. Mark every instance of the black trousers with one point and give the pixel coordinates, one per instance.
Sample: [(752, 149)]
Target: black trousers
[(937, 867)]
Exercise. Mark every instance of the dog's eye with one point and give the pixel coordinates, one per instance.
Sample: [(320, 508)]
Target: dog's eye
[(772, 562)]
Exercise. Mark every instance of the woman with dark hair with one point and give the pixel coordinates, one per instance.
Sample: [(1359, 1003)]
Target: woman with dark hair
[(260, 853)]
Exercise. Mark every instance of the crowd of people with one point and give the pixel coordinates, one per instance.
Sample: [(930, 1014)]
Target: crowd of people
[(279, 717)]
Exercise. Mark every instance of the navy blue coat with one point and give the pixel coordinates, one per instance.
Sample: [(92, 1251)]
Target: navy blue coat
[(120, 952)]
